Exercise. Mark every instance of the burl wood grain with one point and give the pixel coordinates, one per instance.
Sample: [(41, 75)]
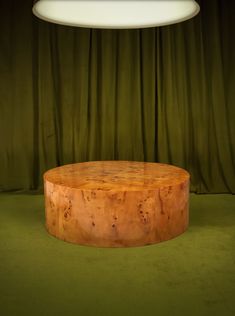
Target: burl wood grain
[(116, 203)]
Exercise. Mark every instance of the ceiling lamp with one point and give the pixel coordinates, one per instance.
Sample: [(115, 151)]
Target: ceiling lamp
[(115, 14)]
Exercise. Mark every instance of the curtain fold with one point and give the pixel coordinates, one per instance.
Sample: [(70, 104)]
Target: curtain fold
[(160, 94)]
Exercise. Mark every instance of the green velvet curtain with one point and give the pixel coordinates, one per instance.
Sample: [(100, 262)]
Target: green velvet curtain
[(160, 94)]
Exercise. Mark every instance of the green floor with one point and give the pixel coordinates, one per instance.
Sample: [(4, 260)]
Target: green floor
[(193, 274)]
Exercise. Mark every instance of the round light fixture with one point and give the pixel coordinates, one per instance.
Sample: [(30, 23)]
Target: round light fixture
[(115, 14)]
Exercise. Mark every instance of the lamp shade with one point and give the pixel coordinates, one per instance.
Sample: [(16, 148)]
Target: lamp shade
[(115, 14)]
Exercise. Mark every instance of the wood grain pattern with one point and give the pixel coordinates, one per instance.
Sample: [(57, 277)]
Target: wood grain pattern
[(116, 203)]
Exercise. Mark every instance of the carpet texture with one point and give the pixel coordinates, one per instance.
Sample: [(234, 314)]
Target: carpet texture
[(193, 274)]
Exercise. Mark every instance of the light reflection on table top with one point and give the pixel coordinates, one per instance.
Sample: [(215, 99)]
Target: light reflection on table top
[(116, 175)]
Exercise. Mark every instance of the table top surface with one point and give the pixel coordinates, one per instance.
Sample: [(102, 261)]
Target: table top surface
[(116, 175)]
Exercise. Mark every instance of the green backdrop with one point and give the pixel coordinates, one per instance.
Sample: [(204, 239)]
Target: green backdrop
[(160, 94)]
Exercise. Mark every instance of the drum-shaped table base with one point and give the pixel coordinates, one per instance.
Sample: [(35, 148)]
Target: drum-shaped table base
[(116, 203)]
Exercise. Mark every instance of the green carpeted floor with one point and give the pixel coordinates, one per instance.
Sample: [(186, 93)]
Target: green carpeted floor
[(193, 274)]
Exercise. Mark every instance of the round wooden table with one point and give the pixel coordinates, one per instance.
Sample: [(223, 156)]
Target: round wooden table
[(116, 203)]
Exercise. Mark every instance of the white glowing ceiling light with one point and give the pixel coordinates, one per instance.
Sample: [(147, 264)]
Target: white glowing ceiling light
[(115, 14)]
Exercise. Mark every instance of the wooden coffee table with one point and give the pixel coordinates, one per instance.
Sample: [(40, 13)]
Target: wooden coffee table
[(116, 203)]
